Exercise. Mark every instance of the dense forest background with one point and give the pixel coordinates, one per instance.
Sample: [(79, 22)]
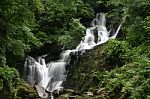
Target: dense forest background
[(29, 24)]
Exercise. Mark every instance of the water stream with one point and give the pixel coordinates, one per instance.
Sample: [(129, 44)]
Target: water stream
[(51, 76)]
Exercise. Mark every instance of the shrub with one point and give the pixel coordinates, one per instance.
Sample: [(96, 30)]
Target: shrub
[(131, 80), (9, 79), (117, 53)]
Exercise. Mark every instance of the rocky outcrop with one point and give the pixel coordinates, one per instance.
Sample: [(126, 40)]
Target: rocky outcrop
[(25, 91), (80, 75), (72, 94), (41, 91)]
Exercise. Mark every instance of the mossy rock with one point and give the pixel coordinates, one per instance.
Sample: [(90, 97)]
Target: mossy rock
[(81, 76), (25, 91)]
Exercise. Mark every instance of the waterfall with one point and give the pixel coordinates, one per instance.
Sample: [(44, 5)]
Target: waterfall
[(51, 76)]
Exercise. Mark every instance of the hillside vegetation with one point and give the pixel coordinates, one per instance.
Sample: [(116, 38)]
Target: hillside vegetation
[(121, 67)]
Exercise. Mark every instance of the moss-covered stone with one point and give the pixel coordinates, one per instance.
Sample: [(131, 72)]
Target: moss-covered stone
[(82, 75), (25, 91)]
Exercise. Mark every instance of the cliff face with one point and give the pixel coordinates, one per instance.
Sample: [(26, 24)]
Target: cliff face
[(82, 74)]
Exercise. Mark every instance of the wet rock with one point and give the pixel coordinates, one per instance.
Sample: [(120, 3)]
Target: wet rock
[(26, 91), (83, 68), (99, 91), (64, 96), (71, 92), (68, 96), (83, 97), (68, 91), (41, 91), (72, 97), (99, 97), (89, 93), (56, 93)]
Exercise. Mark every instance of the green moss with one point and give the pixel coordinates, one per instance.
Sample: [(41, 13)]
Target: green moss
[(25, 91), (84, 75)]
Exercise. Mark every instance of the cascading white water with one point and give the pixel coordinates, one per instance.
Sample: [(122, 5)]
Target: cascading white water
[(51, 76)]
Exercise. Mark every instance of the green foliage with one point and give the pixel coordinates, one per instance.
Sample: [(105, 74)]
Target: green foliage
[(17, 36), (77, 30), (65, 40), (16, 33), (132, 79), (38, 6), (9, 78), (117, 53), (12, 86), (27, 24), (142, 50), (136, 25), (72, 37), (60, 21), (120, 67), (2, 58), (138, 32)]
